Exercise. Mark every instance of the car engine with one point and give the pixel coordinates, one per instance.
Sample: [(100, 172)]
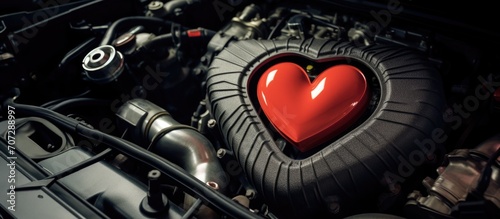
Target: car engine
[(238, 109)]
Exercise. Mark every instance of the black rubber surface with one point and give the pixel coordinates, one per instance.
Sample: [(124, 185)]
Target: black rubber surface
[(347, 170)]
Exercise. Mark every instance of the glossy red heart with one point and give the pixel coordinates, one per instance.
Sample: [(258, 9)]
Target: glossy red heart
[(308, 114)]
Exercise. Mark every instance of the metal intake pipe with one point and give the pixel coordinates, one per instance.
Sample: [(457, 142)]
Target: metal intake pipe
[(155, 129)]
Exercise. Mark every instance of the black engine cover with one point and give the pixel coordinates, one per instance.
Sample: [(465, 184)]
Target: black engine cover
[(346, 169)]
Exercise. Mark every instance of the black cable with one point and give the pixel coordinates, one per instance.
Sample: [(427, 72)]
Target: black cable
[(76, 102), (160, 41), (75, 52), (97, 158), (485, 178), (278, 26), (127, 22), (52, 102), (173, 171), (81, 165)]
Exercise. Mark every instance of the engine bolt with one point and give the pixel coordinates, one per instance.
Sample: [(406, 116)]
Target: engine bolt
[(155, 5), (250, 194), (211, 123), (221, 153), (213, 185), (156, 9), (309, 68)]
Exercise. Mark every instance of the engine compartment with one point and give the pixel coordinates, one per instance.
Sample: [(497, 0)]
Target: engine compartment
[(236, 109)]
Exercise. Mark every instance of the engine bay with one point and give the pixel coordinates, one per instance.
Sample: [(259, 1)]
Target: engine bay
[(239, 109)]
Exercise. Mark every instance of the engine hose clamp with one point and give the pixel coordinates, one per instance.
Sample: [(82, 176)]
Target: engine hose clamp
[(152, 120), (165, 131)]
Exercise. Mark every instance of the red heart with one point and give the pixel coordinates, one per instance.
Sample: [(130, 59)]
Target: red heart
[(306, 113)]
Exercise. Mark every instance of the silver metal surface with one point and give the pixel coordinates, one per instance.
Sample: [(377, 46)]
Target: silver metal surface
[(103, 64), (194, 153), (458, 179), (185, 147)]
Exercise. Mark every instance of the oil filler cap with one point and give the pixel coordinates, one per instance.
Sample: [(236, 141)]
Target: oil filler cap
[(103, 64)]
